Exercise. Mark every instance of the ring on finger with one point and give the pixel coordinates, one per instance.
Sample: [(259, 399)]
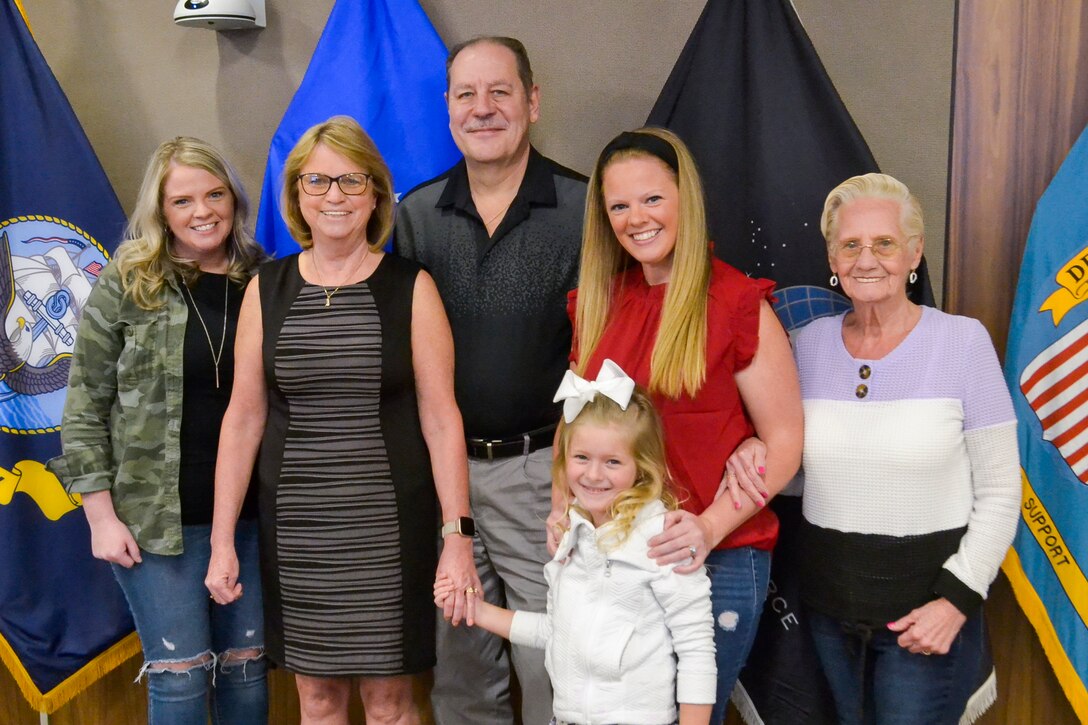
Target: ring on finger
[(471, 590), (693, 551), (926, 652)]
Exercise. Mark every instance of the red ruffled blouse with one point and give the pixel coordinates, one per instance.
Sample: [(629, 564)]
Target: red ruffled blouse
[(702, 432)]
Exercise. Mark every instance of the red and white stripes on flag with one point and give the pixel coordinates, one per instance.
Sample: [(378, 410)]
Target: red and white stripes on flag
[(1055, 384)]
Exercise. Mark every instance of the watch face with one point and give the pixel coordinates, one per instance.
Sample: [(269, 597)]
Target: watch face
[(467, 526)]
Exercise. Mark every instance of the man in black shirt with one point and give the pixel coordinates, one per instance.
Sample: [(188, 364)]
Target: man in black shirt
[(500, 233)]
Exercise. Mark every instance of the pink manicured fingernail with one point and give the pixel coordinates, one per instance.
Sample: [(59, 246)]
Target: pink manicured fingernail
[(736, 505), (759, 503), (891, 624), (761, 470)]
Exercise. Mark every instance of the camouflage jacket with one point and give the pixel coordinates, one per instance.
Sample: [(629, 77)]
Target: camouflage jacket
[(121, 429)]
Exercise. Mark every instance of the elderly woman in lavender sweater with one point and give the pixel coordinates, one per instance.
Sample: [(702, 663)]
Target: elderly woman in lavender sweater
[(911, 475)]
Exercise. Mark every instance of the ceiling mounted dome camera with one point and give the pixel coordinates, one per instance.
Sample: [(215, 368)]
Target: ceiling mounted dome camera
[(220, 14)]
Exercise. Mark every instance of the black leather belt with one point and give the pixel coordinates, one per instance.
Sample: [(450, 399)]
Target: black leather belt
[(489, 449)]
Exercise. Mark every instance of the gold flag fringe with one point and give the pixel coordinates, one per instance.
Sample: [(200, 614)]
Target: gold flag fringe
[(84, 677), (1036, 612)]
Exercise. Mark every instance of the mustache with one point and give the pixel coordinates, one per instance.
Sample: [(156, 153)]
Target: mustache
[(484, 126)]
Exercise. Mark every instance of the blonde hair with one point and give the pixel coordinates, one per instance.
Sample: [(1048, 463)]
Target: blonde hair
[(873, 186), (145, 259), (678, 360), (647, 440), (346, 137)]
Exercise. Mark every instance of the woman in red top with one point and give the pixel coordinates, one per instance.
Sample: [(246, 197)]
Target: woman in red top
[(702, 337)]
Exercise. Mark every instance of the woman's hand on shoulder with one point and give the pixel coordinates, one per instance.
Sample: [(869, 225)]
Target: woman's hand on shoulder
[(686, 541), (744, 472), (931, 628), (557, 523)]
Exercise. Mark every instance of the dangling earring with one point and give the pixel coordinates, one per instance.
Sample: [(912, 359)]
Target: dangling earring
[(913, 277), (834, 280)]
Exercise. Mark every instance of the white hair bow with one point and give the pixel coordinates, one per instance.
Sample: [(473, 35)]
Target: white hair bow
[(611, 382)]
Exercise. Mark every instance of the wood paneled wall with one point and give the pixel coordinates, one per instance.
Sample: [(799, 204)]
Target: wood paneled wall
[(1020, 102)]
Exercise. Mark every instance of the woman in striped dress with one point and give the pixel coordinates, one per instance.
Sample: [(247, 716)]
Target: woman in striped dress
[(345, 387)]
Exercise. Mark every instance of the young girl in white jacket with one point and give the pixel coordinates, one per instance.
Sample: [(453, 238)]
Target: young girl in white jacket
[(625, 639)]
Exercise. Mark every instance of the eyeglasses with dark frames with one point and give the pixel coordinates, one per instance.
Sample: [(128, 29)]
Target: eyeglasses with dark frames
[(351, 184)]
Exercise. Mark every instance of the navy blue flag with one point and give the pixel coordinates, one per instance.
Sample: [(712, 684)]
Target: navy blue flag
[(771, 136), (1046, 366), (382, 63), (63, 619), (754, 104)]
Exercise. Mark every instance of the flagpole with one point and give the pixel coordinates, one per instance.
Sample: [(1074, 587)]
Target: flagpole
[(43, 718)]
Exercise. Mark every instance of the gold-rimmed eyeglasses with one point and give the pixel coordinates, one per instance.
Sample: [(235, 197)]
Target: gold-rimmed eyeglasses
[(319, 184), (881, 248)]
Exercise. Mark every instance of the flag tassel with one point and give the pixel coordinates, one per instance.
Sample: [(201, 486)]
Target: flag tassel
[(743, 702), (981, 701), (53, 700)]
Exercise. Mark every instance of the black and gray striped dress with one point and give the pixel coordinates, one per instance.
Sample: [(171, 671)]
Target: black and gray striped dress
[(347, 502)]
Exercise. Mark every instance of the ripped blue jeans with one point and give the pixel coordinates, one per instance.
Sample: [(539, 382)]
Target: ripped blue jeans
[(738, 587), (200, 658)]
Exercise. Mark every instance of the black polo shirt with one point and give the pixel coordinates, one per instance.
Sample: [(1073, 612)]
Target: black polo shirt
[(505, 294)]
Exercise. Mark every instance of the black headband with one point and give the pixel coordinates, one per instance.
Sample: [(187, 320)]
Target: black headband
[(652, 145)]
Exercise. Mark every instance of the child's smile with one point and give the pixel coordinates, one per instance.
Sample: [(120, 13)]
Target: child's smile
[(600, 464)]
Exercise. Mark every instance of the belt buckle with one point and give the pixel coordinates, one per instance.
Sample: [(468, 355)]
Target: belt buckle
[(490, 450)]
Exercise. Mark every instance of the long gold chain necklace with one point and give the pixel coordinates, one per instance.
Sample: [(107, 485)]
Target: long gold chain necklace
[(216, 356), (328, 295)]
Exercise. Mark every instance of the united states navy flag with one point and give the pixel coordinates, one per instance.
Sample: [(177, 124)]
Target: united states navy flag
[(382, 63), (63, 619), (1046, 366), (752, 100)]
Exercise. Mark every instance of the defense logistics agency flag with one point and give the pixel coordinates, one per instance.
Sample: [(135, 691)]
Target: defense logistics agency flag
[(63, 619), (1046, 366), (751, 99), (381, 62)]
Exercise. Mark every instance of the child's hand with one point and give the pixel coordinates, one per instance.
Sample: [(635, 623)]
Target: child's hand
[(443, 588)]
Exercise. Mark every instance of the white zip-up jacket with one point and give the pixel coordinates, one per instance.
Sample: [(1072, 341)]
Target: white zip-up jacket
[(624, 638)]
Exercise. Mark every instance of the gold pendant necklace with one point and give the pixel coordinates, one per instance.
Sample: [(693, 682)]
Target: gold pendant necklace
[(216, 356), (328, 295)]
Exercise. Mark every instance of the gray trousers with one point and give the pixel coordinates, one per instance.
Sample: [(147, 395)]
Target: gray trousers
[(511, 499)]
